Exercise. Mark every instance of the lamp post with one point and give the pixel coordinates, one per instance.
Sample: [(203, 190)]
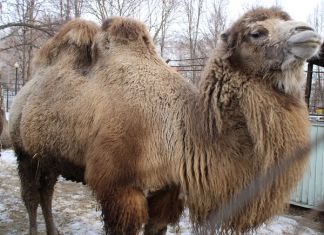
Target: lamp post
[(16, 83)]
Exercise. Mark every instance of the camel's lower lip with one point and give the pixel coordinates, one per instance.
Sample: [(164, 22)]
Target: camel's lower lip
[(305, 39), (304, 45), (312, 43)]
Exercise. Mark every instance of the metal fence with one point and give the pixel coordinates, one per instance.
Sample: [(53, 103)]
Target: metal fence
[(9, 91), (189, 68), (316, 99)]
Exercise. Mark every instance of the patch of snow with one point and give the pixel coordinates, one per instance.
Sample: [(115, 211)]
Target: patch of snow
[(8, 157), (3, 213), (7, 116), (284, 225)]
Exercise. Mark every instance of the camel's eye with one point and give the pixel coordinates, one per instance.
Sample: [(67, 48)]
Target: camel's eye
[(257, 34)]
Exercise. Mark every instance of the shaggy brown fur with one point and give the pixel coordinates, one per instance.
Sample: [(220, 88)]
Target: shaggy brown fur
[(137, 126)]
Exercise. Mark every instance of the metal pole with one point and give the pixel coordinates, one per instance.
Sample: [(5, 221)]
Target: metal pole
[(8, 97), (308, 83), (16, 84)]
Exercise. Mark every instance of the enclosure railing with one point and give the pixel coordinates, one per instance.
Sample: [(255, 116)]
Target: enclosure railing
[(8, 92), (190, 68)]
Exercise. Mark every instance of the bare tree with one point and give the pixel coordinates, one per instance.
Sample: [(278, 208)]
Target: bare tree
[(102, 9), (23, 30), (216, 23), (67, 9), (167, 9), (193, 10), (158, 16), (78, 7), (277, 3), (25, 37)]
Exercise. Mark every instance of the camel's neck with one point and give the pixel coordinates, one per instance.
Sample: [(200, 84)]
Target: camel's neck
[(291, 81), (237, 129), (213, 124)]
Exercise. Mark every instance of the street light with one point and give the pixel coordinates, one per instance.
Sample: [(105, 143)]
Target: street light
[(16, 84)]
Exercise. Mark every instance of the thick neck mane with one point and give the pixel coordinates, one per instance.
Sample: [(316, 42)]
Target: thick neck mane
[(238, 129)]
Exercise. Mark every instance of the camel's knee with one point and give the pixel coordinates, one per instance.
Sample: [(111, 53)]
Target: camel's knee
[(124, 211), (154, 229), (165, 207)]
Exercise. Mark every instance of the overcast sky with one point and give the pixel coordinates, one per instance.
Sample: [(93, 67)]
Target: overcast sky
[(298, 9)]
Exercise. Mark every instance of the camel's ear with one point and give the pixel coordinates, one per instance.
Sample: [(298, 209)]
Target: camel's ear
[(225, 45), (224, 36)]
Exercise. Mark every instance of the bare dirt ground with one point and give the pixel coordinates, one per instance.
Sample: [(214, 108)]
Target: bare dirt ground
[(76, 211)]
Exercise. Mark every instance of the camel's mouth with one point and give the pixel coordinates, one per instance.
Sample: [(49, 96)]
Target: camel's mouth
[(309, 43), (305, 44)]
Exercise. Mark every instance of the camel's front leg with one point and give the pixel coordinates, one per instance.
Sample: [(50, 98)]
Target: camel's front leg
[(124, 211)]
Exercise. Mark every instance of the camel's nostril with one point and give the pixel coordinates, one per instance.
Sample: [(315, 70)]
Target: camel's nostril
[(304, 28)]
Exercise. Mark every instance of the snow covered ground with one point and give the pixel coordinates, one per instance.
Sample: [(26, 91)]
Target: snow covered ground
[(76, 211)]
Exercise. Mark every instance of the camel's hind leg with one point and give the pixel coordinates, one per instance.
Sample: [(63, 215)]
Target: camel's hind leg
[(46, 190), (29, 179), (165, 207)]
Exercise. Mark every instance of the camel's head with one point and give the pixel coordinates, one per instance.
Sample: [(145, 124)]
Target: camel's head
[(265, 41), (122, 35)]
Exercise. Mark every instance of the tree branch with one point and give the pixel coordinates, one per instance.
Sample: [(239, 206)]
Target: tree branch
[(37, 27)]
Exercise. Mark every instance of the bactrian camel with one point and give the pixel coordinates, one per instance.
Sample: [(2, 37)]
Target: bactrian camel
[(148, 143)]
